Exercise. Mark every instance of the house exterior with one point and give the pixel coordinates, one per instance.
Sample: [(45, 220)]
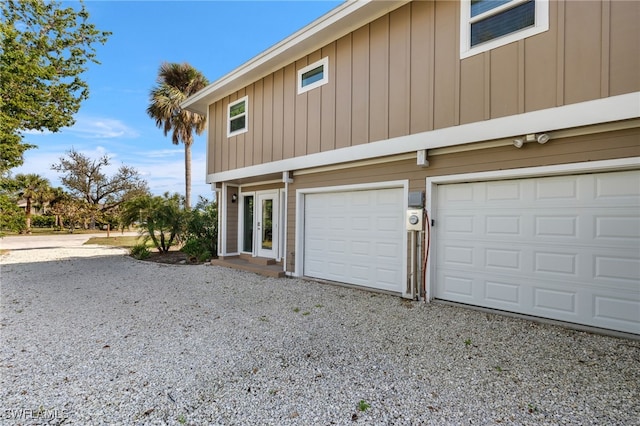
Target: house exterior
[(486, 153)]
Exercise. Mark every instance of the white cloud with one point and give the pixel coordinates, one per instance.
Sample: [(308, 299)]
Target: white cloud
[(101, 128)]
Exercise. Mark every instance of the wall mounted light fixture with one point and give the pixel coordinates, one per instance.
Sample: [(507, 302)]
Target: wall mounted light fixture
[(542, 138), (234, 198)]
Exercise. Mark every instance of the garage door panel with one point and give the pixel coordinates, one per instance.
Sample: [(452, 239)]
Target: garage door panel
[(368, 240), (565, 247)]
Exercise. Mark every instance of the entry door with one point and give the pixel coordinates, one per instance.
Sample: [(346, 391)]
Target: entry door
[(267, 224)]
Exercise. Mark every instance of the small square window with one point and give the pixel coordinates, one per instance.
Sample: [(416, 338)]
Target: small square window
[(314, 75), (237, 117), (487, 24)]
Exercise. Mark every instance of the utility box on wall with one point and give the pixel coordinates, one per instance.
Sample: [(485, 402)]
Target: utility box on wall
[(416, 199), (414, 220)]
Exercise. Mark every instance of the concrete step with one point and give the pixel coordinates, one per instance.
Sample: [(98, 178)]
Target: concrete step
[(268, 270)]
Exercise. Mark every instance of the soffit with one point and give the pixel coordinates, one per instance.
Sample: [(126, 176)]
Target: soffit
[(338, 22)]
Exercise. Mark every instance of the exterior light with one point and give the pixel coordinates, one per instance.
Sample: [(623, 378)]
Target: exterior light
[(542, 138)]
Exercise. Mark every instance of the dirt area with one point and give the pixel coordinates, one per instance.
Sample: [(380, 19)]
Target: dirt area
[(173, 257)]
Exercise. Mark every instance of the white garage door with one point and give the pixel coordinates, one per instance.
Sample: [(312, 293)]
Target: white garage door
[(355, 237), (565, 248)]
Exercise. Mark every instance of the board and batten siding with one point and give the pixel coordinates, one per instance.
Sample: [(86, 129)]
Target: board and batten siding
[(402, 74)]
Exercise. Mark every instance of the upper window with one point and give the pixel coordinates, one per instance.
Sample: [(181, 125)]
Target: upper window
[(314, 75), (487, 24), (237, 117)]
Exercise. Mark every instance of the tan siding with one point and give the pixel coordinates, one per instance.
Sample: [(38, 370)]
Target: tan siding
[(379, 79), (224, 154), (505, 88), (328, 108), (360, 87), (278, 115), (422, 34), (540, 66), (343, 92), (624, 70), (289, 111), (301, 117), (249, 136), (582, 51), (446, 65), (258, 115), (472, 87), (267, 119), (254, 188), (314, 99), (215, 156), (399, 71), (401, 74)]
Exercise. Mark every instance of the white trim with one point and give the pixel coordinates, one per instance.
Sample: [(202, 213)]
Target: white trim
[(615, 108), (299, 231), (541, 25), (432, 183), (324, 63), (244, 99)]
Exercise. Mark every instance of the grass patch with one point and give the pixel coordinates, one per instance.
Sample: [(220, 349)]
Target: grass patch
[(122, 241)]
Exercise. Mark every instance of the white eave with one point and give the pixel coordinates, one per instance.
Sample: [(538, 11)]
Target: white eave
[(338, 22)]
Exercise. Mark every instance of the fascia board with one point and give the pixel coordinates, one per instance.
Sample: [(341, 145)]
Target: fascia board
[(615, 108), (336, 23)]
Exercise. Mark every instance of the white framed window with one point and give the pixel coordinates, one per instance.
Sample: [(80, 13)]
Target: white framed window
[(314, 75), (487, 24), (238, 117)]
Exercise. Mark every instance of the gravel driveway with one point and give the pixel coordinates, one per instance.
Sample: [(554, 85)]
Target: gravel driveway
[(90, 336)]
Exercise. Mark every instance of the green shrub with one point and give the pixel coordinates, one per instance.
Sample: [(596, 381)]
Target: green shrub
[(43, 221), (195, 248), (202, 227), (140, 251)]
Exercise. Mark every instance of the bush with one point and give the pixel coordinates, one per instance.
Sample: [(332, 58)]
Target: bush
[(140, 251), (202, 230), (12, 217), (161, 219), (196, 249), (43, 221)]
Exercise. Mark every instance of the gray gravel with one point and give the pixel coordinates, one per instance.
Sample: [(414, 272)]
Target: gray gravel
[(111, 340)]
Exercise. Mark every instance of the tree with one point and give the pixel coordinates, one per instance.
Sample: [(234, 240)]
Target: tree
[(32, 188), (84, 178), (72, 212), (160, 218), (12, 217), (44, 49), (175, 83)]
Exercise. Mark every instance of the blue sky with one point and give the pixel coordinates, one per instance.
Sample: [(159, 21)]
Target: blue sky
[(214, 37)]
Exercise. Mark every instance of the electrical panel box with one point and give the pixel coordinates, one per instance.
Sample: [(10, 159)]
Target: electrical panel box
[(414, 220), (416, 199)]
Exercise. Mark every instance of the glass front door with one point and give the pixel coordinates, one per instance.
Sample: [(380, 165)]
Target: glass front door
[(267, 228), (247, 223)]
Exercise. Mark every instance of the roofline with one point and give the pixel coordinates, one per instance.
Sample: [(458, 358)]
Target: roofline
[(336, 23)]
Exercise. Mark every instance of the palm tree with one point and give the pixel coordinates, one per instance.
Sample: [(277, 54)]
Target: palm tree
[(32, 188), (175, 83)]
